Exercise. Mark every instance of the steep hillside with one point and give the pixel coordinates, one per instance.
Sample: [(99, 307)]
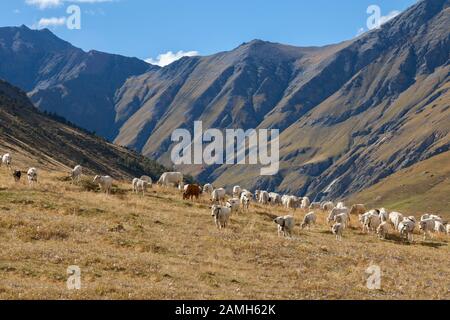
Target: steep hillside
[(350, 114), (34, 139), (61, 78), (235, 89)]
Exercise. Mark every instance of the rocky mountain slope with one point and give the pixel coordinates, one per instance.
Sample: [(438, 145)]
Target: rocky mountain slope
[(35, 139), (350, 114), (61, 78)]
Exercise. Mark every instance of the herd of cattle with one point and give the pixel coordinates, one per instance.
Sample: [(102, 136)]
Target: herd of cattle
[(378, 221)]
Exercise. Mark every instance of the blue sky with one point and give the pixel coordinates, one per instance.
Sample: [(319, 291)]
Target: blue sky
[(148, 28)]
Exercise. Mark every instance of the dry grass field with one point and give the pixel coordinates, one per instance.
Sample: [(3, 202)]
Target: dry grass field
[(160, 247)]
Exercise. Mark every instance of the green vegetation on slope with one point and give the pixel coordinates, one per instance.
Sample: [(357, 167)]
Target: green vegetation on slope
[(424, 187)]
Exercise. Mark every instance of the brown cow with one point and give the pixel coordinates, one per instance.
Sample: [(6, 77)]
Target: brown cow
[(191, 191)]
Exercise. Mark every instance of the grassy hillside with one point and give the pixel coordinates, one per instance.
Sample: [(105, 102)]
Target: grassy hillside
[(160, 247), (424, 187)]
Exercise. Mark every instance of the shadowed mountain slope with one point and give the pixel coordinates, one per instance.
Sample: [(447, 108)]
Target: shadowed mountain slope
[(35, 139), (350, 114)]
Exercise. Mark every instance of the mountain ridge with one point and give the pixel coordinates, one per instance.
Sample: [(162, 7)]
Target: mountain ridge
[(61, 78), (336, 106)]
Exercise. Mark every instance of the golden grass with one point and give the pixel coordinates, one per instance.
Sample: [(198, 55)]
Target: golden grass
[(160, 247)]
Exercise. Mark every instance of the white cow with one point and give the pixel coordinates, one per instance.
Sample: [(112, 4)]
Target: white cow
[(218, 195), (383, 230), (233, 204), (147, 179), (6, 160), (140, 185), (338, 230), (208, 188), (168, 179), (357, 209), (274, 198), (315, 205), (237, 191), (105, 183), (427, 226), (134, 184), (326, 206), (32, 175), (343, 219), (340, 205), (436, 218), (76, 173), (384, 215), (406, 228), (395, 218), (263, 197), (291, 202), (439, 227), (245, 202), (221, 216), (373, 221), (363, 220), (336, 211), (247, 193), (310, 219), (285, 225), (305, 203), (370, 220)]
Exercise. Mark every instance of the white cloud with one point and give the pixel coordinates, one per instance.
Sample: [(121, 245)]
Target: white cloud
[(51, 22), (169, 57), (391, 15), (44, 4)]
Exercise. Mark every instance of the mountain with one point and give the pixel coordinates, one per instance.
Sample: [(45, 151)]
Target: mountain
[(35, 139), (61, 78), (350, 114)]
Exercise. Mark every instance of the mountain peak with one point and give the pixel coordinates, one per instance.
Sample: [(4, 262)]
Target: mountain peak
[(255, 42)]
